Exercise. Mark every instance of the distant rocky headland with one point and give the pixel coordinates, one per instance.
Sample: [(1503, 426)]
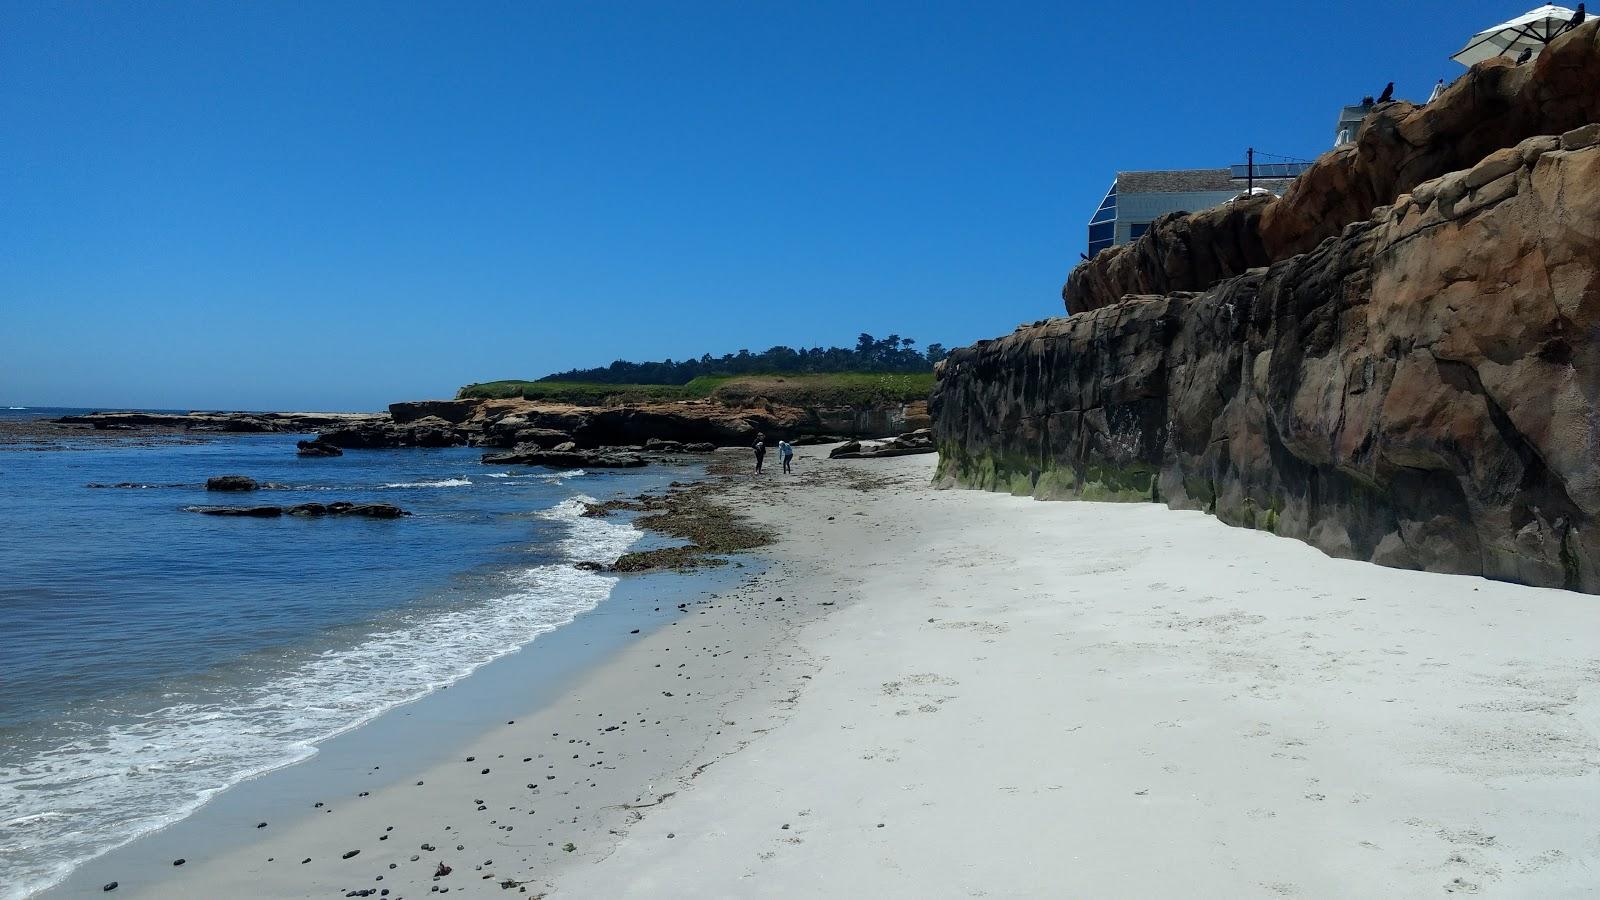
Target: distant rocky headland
[(609, 432), (1397, 361)]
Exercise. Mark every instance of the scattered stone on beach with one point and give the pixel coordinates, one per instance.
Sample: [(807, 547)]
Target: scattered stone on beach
[(231, 483), (261, 824), (350, 853), (179, 861), (912, 442), (442, 871), (110, 886)]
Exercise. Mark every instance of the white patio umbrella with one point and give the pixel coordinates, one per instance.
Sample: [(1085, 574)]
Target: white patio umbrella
[(1529, 31)]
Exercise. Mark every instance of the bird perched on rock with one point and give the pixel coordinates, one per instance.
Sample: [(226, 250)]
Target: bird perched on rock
[(1388, 93), (1525, 55), (1577, 18)]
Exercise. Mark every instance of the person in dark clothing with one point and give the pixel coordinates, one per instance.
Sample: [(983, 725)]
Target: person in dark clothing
[(761, 450)]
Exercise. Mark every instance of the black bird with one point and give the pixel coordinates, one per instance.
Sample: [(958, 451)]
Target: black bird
[(1388, 93), (1577, 18), (1525, 55)]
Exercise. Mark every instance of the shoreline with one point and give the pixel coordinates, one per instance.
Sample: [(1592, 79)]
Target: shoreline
[(966, 693), (528, 570), (419, 735)]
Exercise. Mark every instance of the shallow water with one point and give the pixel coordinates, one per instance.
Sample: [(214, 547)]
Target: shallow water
[(154, 657)]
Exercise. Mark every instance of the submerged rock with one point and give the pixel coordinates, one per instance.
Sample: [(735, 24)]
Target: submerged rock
[(306, 510), (231, 483), (566, 459), (317, 448), (258, 512)]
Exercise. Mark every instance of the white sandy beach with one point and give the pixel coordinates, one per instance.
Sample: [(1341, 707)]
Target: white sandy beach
[(965, 694)]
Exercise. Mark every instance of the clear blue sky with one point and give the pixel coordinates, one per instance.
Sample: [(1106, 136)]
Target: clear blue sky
[(336, 205)]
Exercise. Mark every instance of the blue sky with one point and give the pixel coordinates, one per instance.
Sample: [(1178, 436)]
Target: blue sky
[(337, 205)]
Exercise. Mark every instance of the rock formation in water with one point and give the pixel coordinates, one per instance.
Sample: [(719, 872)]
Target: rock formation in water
[(668, 426), (1420, 390), (1495, 105)]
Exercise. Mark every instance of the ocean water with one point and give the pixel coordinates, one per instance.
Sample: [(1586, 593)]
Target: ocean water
[(152, 657)]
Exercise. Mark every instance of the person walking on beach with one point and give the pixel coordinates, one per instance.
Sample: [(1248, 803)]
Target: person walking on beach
[(786, 453), (761, 450)]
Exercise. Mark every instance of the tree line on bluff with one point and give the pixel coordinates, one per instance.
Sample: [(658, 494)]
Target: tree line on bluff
[(891, 354)]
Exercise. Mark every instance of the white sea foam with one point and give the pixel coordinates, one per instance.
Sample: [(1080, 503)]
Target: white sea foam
[(446, 482), (75, 802)]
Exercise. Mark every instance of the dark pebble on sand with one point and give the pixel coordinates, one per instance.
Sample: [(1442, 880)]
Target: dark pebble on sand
[(110, 887), (471, 758), (261, 824), (179, 862), (351, 853), (485, 771), (304, 861), (635, 631)]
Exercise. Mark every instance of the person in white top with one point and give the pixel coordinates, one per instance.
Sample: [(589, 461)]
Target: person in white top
[(786, 453)]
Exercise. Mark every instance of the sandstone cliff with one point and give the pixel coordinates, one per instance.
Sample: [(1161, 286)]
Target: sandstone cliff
[(1420, 390), (1493, 106)]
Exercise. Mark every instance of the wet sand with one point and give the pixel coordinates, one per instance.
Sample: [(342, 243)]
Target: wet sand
[(968, 694)]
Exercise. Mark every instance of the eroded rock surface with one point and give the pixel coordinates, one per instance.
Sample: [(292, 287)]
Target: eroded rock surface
[(1420, 391), (1494, 106)]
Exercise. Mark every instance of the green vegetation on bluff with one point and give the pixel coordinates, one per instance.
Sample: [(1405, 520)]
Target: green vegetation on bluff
[(891, 354), (886, 370), (834, 389)]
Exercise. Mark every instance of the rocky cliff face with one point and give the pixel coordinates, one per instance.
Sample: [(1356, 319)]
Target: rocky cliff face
[(1419, 391), (1493, 106)]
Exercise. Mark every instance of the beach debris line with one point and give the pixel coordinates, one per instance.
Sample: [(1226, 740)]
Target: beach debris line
[(685, 511)]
